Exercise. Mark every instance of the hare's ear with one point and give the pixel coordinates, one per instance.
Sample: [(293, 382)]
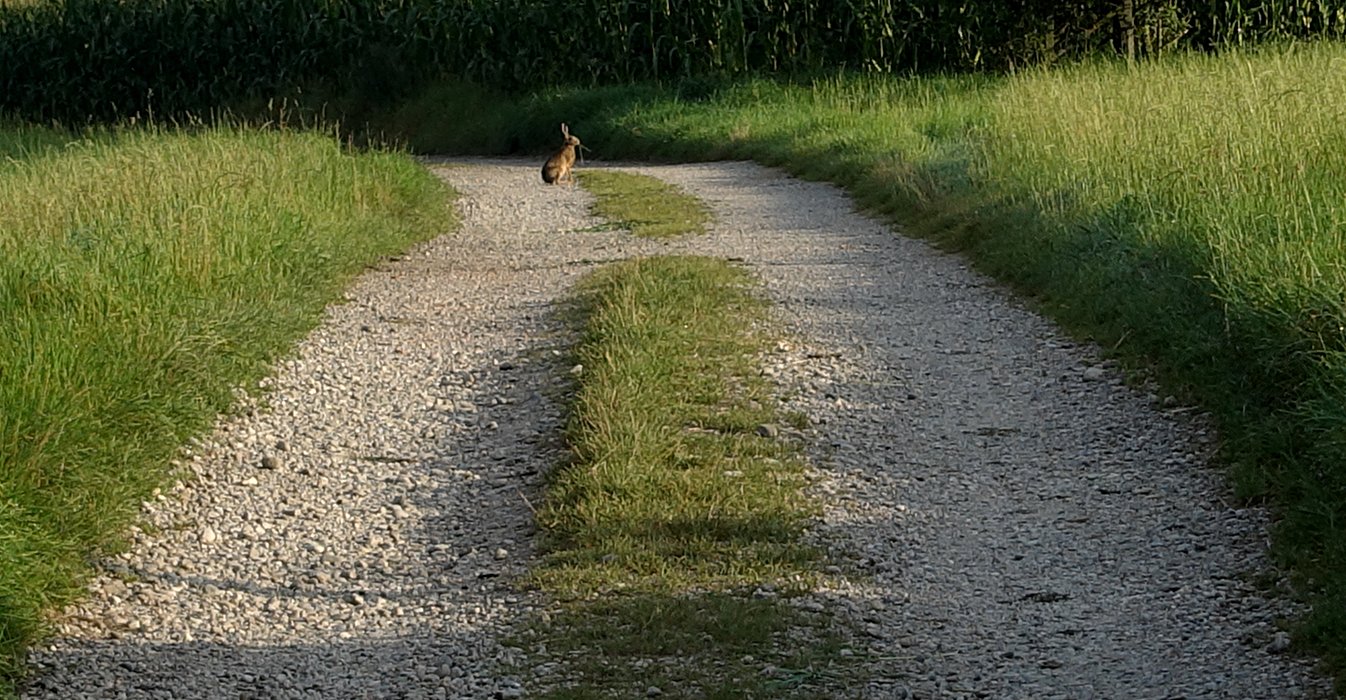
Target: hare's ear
[(565, 130)]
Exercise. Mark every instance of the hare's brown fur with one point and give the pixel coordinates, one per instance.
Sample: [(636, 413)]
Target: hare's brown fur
[(558, 166)]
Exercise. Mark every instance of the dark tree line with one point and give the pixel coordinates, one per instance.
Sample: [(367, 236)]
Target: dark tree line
[(105, 59)]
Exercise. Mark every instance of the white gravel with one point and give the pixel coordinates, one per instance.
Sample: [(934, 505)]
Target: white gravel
[(1012, 520)]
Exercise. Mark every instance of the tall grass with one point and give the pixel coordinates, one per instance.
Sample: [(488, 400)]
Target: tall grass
[(142, 276)]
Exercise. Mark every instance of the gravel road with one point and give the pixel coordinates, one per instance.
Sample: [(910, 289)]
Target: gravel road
[(1011, 520)]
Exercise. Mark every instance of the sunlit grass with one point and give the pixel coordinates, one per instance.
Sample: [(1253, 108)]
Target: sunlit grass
[(1242, 158)]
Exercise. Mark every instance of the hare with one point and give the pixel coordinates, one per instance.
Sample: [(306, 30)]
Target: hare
[(558, 166)]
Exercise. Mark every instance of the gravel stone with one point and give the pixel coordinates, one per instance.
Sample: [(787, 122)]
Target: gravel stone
[(1006, 518)]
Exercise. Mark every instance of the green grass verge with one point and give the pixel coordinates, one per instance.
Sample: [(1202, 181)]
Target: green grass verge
[(1186, 213), (674, 507), (143, 275), (644, 205)]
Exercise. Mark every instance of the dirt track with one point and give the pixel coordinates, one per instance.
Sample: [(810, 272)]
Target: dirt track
[(1023, 525)]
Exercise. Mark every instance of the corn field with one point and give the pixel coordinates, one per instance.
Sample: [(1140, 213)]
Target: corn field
[(78, 60)]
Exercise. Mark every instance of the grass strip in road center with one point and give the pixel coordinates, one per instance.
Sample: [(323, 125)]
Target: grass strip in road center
[(646, 205), (671, 485), (673, 532)]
